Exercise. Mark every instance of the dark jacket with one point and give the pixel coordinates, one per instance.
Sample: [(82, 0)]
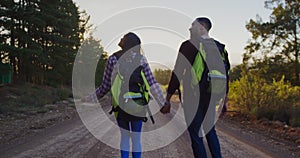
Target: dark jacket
[(183, 65)]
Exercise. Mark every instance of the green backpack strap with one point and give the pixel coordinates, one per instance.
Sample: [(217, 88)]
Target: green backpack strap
[(198, 66), (147, 87), (147, 96), (215, 73), (115, 91), (115, 88)]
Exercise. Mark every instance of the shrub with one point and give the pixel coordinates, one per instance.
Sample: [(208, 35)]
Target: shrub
[(278, 100), (295, 116)]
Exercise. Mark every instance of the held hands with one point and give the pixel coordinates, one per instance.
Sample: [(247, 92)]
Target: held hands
[(166, 108)]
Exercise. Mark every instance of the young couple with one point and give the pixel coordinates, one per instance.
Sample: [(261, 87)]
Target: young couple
[(131, 126)]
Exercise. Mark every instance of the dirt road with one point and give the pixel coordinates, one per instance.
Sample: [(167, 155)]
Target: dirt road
[(77, 137)]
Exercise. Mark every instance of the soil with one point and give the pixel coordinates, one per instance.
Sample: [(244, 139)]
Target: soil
[(17, 125), (274, 129), (59, 132)]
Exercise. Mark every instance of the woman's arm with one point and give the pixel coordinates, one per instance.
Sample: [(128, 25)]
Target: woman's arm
[(106, 82), (154, 86)]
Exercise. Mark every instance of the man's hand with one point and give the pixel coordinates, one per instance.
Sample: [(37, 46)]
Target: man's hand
[(166, 108)]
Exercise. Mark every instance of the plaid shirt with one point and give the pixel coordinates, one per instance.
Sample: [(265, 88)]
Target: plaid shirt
[(110, 74)]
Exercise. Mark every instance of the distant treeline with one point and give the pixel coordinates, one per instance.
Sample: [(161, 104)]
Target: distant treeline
[(162, 76)]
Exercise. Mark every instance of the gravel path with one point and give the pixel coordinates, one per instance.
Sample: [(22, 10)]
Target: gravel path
[(75, 137)]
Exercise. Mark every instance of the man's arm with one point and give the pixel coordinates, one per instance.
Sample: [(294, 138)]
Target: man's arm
[(174, 83), (167, 108)]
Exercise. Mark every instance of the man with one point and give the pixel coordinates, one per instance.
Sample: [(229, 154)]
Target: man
[(198, 103)]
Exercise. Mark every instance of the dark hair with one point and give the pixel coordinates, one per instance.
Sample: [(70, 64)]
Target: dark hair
[(205, 22), (131, 40)]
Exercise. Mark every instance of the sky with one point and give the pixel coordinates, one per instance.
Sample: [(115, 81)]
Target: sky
[(163, 25)]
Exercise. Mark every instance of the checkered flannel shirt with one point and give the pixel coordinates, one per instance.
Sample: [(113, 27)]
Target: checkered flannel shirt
[(109, 74)]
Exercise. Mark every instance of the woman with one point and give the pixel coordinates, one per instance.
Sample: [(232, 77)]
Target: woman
[(130, 126)]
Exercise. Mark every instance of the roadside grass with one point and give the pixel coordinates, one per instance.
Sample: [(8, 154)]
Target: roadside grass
[(22, 98)]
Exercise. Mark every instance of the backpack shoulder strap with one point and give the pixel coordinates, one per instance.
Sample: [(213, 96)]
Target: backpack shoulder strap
[(224, 54), (118, 54), (115, 88), (138, 58)]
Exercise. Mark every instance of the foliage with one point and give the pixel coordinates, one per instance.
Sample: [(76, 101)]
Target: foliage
[(255, 96), (40, 39), (277, 40), (274, 68), (236, 72), (90, 52), (162, 76), (267, 84)]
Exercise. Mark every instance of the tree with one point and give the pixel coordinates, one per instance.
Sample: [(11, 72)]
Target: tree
[(277, 38), (61, 38), (91, 51), (236, 72), (40, 39), (6, 24)]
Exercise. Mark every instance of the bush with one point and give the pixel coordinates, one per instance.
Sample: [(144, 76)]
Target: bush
[(295, 116), (264, 112), (278, 100)]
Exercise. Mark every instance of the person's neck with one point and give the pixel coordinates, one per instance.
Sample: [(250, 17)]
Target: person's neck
[(199, 37), (205, 36)]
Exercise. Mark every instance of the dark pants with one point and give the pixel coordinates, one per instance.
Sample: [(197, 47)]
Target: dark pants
[(194, 123)]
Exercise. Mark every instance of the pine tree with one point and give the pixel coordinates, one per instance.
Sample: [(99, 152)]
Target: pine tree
[(40, 39)]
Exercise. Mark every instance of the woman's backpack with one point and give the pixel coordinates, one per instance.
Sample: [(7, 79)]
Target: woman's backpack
[(130, 89)]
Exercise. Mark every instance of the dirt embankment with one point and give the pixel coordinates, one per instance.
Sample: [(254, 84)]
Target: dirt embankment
[(17, 125)]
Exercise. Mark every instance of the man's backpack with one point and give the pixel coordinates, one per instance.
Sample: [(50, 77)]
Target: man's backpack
[(210, 67), (130, 89)]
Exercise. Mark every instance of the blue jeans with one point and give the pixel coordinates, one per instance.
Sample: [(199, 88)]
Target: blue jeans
[(195, 127), (130, 129)]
